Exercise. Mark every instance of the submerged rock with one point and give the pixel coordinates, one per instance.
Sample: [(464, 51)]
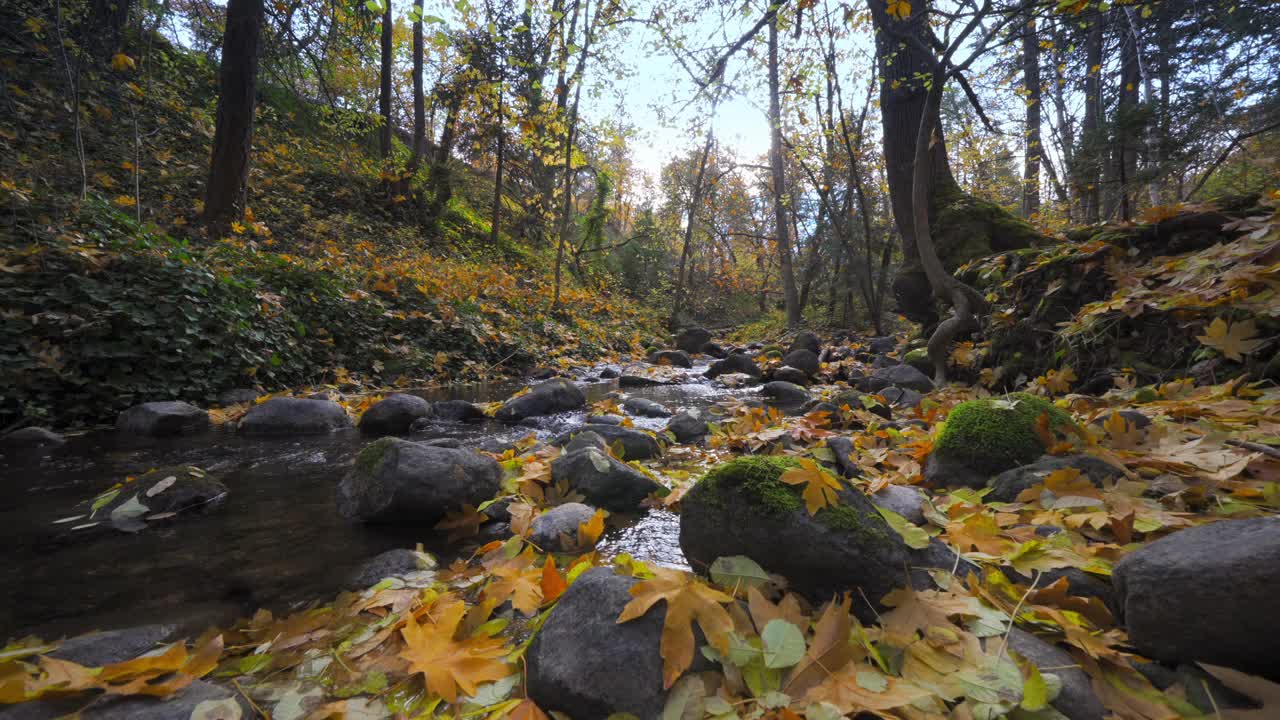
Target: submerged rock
[(30, 438), (742, 508), (400, 482), (547, 398), (550, 530), (675, 358), (457, 411), (294, 416), (646, 408), (692, 339), (603, 480), (163, 419), (159, 495), (113, 646), (399, 563), (636, 444), (394, 415), (586, 664), (1206, 594)]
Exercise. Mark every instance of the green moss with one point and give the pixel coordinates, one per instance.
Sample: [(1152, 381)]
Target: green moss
[(771, 349), (757, 475), (1145, 395), (850, 519), (993, 434), (369, 461), (967, 228)]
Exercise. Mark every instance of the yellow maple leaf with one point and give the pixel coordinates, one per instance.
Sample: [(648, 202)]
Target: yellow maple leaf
[(124, 201), (820, 487), (449, 664), (121, 62), (518, 581), (1124, 434), (1233, 340), (900, 9), (590, 531), (687, 600)]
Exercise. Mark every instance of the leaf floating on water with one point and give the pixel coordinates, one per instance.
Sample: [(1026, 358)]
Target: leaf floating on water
[(73, 518), (161, 486)]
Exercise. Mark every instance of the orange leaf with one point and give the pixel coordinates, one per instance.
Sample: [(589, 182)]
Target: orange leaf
[(687, 600), (820, 487), (553, 584), (528, 710), (449, 664), (589, 532)]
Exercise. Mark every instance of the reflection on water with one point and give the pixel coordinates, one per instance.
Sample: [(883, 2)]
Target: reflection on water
[(276, 543)]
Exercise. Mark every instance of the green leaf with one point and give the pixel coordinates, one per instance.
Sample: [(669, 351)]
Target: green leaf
[(783, 644), (914, 536), (102, 500), (738, 572), (873, 681), (1035, 693), (685, 700)]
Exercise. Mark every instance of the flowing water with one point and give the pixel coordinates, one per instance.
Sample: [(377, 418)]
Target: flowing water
[(277, 542)]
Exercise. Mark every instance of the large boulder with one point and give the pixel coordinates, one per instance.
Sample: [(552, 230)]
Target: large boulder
[(603, 480), (803, 359), (985, 437), (1206, 594), (646, 407), (586, 664), (735, 363), (211, 700), (743, 508), (400, 563), (30, 438), (636, 444), (905, 500), (294, 416), (160, 494), (902, 376), (882, 345), (901, 396), (394, 414), (1006, 486), (675, 358), (688, 426), (583, 440), (806, 340), (1076, 699), (163, 419), (237, 396), (400, 482), (692, 339), (547, 398), (96, 649), (556, 530), (785, 393)]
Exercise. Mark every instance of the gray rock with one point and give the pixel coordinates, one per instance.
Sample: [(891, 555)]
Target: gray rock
[(738, 509), (444, 442), (901, 396), (882, 345), (636, 444), (692, 339), (603, 480), (715, 350), (785, 393), (238, 396), (163, 419), (175, 489), (675, 358), (31, 437), (400, 482), (688, 426), (842, 448), (586, 664), (1133, 417), (397, 563), (943, 470), (635, 381), (901, 376), (735, 363), (394, 414), (859, 401), (583, 440), (548, 398), (178, 706), (113, 646), (605, 420), (1006, 486), (816, 405), (548, 530), (1206, 594), (806, 340), (1076, 700), (1079, 582), (646, 408), (802, 359), (294, 416), (609, 373), (457, 411), (795, 376), (905, 500)]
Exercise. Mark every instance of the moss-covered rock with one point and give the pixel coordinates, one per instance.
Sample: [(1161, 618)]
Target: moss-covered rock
[(743, 508), (984, 437)]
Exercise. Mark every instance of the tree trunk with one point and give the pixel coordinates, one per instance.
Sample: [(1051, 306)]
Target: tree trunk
[(781, 223), (1125, 149), (1089, 156), (384, 91), (695, 203), (227, 188), (500, 126), (102, 28), (1031, 81), (419, 102)]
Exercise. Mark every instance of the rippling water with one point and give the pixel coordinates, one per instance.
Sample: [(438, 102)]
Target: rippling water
[(277, 542)]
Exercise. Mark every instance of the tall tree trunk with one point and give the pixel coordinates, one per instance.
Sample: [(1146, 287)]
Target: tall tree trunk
[(1126, 144), (781, 223), (500, 126), (695, 204), (1089, 156), (419, 102), (571, 136), (1032, 150), (384, 91), (102, 28), (227, 188)]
